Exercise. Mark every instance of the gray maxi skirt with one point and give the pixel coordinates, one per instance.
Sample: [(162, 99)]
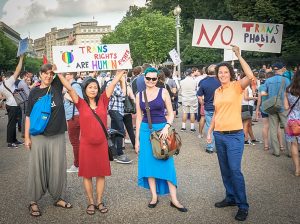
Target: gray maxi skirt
[(47, 167)]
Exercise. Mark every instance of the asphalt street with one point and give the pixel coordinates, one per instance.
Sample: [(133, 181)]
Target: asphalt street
[(273, 191)]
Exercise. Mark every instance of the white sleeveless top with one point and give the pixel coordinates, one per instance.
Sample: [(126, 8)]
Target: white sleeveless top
[(248, 102)]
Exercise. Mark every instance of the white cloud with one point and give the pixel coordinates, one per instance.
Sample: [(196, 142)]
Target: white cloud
[(30, 15)]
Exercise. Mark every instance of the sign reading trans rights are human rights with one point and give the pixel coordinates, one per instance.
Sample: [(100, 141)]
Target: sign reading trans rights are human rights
[(76, 58), (249, 36)]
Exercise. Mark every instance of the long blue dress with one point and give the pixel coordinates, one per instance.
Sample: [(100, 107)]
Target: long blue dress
[(148, 165)]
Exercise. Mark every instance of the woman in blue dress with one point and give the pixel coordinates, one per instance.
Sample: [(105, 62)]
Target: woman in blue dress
[(157, 175)]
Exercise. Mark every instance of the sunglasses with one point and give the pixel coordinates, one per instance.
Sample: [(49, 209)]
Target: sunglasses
[(153, 79)]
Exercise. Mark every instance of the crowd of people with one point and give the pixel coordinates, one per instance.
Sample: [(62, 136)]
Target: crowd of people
[(225, 102)]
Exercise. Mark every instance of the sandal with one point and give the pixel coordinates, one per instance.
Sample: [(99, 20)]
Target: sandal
[(266, 148), (89, 210), (282, 148), (34, 213), (103, 209), (66, 205)]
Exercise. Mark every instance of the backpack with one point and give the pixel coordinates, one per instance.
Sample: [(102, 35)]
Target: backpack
[(40, 114)]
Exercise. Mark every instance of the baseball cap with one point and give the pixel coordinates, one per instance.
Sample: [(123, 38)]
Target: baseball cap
[(277, 66)]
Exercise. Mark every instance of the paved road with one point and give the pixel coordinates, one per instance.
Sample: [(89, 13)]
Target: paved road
[(273, 192)]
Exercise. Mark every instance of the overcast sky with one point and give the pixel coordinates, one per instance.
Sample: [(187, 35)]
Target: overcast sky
[(37, 17)]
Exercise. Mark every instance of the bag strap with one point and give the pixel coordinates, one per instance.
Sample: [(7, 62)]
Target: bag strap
[(147, 107), (292, 107), (281, 88), (7, 88), (101, 123)]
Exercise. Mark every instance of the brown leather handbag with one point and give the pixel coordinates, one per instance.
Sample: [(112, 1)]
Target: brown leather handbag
[(162, 149)]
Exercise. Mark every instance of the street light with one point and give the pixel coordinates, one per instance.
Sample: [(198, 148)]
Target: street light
[(177, 12)]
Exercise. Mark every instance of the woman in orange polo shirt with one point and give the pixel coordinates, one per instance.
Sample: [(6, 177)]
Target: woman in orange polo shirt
[(229, 136)]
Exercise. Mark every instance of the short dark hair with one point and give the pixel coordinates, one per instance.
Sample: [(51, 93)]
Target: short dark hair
[(230, 68), (46, 67), (137, 70), (166, 72)]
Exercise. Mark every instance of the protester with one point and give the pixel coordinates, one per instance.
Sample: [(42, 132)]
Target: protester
[(72, 117), (6, 90), (229, 137), (93, 150), (140, 83), (47, 151), (127, 118), (206, 98), (116, 113), (189, 100), (291, 101), (248, 105), (157, 175), (272, 88), (169, 81), (262, 96)]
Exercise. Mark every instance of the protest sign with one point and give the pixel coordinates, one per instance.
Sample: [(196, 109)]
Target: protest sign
[(250, 36), (76, 58), (229, 55), (23, 47), (175, 57)]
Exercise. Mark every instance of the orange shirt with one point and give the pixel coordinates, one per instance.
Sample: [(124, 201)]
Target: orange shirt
[(228, 109)]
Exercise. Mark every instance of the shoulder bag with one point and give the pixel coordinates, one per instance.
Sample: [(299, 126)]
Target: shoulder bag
[(40, 114), (19, 95), (274, 104), (162, 149), (112, 151), (293, 125), (129, 105)]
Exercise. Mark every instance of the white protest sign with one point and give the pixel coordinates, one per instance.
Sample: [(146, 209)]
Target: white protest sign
[(76, 58), (175, 57), (250, 36), (229, 55)]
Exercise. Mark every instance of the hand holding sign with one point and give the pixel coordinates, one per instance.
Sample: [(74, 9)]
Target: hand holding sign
[(236, 50)]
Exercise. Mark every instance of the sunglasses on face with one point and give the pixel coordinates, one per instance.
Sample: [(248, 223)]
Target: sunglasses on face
[(153, 79)]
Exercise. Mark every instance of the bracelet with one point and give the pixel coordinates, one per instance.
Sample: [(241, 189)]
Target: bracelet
[(169, 124)]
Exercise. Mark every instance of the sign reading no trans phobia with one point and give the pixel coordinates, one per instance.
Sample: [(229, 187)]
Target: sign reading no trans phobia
[(76, 58), (249, 36)]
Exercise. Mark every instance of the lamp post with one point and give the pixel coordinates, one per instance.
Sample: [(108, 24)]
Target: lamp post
[(177, 12)]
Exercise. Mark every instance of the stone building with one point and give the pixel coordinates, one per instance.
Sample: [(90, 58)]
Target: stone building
[(84, 32)]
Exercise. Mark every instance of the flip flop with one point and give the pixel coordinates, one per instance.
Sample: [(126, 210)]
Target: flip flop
[(89, 210)]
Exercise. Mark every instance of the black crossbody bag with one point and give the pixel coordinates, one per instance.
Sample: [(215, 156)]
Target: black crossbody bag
[(111, 147)]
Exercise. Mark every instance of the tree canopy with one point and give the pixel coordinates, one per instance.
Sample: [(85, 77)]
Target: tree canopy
[(149, 34)]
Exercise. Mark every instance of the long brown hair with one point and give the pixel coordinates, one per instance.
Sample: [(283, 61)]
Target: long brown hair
[(294, 87)]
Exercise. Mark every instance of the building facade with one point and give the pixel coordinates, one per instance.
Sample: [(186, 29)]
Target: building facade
[(10, 33), (84, 33)]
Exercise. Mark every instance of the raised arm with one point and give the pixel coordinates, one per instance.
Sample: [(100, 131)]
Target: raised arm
[(70, 89), (19, 67), (246, 68), (111, 87)]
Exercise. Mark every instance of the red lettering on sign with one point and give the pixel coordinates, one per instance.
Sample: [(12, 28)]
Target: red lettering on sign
[(203, 32), (222, 39), (248, 26)]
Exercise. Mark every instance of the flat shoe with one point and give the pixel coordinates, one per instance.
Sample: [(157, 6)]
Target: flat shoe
[(297, 174), (183, 209), (153, 205)]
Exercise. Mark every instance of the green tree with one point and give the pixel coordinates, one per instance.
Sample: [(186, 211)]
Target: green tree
[(33, 64), (150, 35), (8, 52)]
